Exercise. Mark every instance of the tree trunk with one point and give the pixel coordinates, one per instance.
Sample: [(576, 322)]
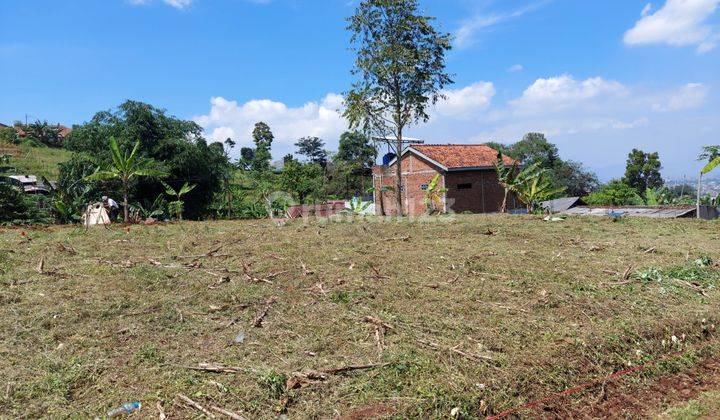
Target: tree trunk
[(398, 173), (503, 207), (697, 210), (382, 206), (126, 211)]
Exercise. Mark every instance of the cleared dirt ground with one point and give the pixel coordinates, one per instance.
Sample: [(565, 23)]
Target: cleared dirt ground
[(474, 315)]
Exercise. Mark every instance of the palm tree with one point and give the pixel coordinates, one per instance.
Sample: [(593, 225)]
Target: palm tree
[(125, 167), (178, 205)]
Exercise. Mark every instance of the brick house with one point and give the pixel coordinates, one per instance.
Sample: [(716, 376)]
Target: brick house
[(467, 172)]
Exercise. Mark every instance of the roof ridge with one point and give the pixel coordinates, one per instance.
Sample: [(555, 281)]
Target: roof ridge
[(452, 144)]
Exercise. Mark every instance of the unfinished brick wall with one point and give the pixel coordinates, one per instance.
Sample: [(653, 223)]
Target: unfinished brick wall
[(416, 173), (474, 191)]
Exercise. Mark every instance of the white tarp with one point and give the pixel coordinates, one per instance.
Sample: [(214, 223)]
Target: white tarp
[(95, 215)]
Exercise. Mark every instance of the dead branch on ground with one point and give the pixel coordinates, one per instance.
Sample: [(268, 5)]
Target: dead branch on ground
[(195, 405), (258, 321), (227, 413), (380, 328), (214, 368)]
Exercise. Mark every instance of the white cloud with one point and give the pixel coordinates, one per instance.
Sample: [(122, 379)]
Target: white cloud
[(593, 120), (178, 4), (466, 101), (689, 96), (646, 10), (466, 35), (516, 68), (677, 23), (564, 91), (227, 118)]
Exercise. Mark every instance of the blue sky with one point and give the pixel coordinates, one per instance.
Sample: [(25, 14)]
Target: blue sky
[(598, 77)]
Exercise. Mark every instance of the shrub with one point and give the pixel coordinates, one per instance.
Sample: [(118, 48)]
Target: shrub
[(17, 207), (614, 193)]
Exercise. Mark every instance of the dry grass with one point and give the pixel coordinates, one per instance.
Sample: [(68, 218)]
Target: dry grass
[(481, 313)]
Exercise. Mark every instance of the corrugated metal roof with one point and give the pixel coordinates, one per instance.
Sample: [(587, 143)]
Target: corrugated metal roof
[(560, 204), (662, 212), (24, 179)]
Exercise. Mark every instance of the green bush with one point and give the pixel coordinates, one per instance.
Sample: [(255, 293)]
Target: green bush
[(8, 135), (17, 207), (614, 193)]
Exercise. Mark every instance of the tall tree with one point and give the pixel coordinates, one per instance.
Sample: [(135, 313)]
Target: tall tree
[(263, 138), (643, 171), (314, 149), (230, 144), (400, 66), (353, 163), (577, 181), (247, 156), (125, 167), (355, 148), (534, 148)]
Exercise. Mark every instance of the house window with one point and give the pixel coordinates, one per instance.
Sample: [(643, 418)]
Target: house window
[(424, 187), (464, 186)]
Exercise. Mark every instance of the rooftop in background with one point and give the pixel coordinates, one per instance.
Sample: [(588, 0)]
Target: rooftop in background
[(657, 212), (561, 204), (24, 179), (459, 156)]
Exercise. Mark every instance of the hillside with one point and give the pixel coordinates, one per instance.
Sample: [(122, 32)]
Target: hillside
[(477, 314), (40, 161)]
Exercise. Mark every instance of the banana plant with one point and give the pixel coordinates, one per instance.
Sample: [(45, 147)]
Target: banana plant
[(536, 187), (506, 176), (434, 195), (176, 207), (125, 167), (147, 210), (357, 206), (714, 163)]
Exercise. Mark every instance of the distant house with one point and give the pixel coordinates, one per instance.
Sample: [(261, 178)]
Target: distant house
[(63, 131), (28, 183), (467, 171)]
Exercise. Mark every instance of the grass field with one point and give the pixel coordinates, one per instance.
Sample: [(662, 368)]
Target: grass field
[(472, 316), (39, 161)]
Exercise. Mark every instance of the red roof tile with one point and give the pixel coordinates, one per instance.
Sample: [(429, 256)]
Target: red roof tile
[(456, 156)]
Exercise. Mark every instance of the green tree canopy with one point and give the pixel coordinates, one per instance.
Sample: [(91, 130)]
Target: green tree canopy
[(400, 70), (535, 149), (314, 149), (176, 144), (355, 149), (263, 138), (643, 171), (615, 193)]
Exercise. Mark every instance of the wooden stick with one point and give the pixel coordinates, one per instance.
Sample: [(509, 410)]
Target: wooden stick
[(207, 367), (257, 322), (227, 413), (195, 405), (161, 411)]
